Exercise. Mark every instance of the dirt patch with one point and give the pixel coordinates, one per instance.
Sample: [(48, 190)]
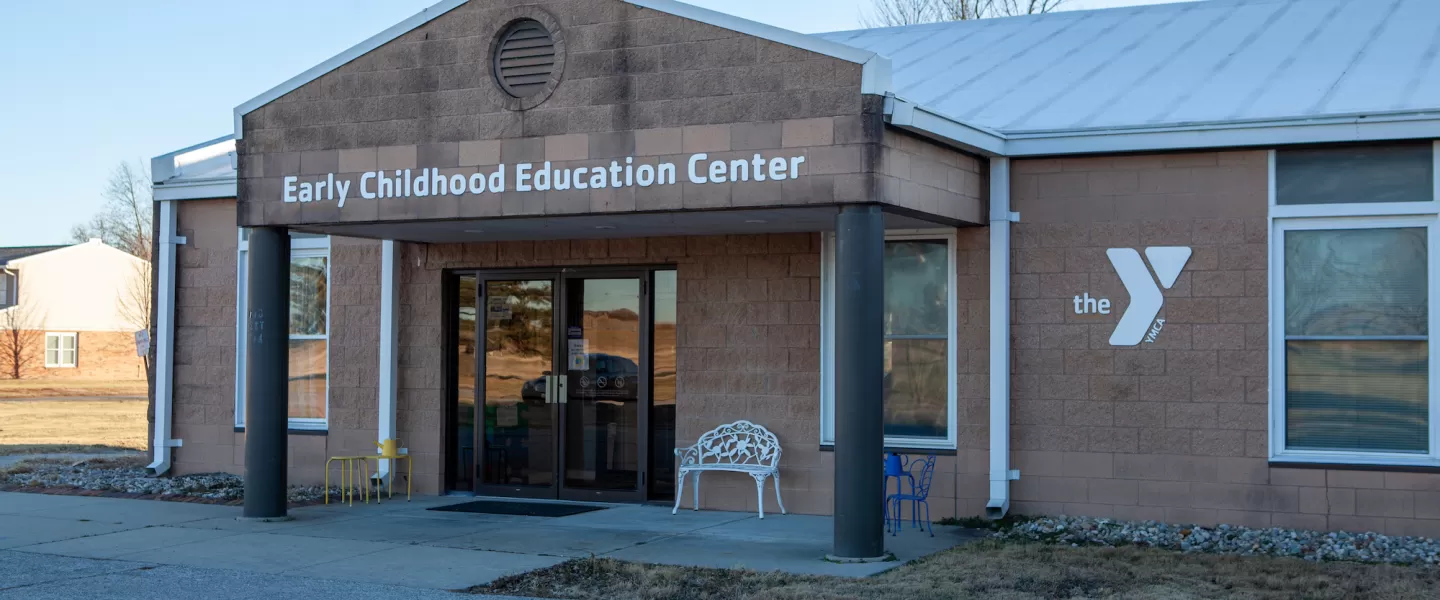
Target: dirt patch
[(994, 569), (73, 426), (126, 477), (46, 388)]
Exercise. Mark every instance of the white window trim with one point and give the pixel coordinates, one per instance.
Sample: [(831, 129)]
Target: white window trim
[(827, 342), (301, 247), (1348, 216), (60, 349)]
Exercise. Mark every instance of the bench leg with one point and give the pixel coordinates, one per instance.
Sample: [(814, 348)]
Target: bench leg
[(760, 491), (777, 494), (679, 492), (697, 490)]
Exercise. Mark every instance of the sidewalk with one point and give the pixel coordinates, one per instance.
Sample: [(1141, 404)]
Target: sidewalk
[(112, 543)]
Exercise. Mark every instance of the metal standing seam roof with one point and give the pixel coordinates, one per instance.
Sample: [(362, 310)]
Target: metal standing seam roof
[(1193, 63)]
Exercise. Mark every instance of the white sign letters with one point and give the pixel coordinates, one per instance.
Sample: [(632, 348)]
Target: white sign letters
[(1139, 323), (529, 177)]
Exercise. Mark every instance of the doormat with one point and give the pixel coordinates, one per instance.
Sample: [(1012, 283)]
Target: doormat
[(527, 509)]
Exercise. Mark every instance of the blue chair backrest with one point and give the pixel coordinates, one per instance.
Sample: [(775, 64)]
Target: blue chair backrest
[(924, 477)]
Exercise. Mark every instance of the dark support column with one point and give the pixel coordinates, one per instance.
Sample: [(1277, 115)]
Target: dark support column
[(859, 380), (267, 373)]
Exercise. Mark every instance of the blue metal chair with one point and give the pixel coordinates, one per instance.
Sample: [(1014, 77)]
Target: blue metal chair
[(919, 495)]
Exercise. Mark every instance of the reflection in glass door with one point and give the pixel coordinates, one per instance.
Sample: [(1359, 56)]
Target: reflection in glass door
[(519, 423), (603, 364), (462, 455)]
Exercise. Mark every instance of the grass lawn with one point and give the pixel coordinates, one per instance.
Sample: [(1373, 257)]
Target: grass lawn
[(995, 569), (40, 426), (42, 388)]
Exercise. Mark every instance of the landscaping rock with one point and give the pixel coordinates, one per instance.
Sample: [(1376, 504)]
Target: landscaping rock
[(128, 476), (1228, 539)]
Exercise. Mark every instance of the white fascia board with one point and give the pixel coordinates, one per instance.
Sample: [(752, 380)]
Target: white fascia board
[(875, 78), (163, 167), (929, 123), (1234, 135), (354, 52), (197, 190)]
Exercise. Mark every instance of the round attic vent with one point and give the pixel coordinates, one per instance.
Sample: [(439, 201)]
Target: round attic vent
[(524, 58)]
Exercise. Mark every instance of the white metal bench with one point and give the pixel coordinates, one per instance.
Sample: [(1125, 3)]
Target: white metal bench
[(742, 447)]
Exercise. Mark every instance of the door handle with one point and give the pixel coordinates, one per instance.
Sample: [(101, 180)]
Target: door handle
[(549, 388), (562, 387)]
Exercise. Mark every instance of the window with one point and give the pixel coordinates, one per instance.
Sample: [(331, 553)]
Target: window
[(60, 351), (1352, 375), (919, 354), (309, 323), (7, 289)]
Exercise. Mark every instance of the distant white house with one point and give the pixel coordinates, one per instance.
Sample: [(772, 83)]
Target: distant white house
[(80, 306)]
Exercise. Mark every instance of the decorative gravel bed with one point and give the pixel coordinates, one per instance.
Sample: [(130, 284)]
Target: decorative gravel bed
[(127, 477), (1227, 539)]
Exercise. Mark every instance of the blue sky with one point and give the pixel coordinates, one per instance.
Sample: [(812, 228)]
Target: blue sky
[(100, 82)]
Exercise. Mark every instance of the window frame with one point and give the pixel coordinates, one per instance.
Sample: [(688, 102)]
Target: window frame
[(8, 283), (299, 248), (74, 338), (827, 340), (1310, 217)]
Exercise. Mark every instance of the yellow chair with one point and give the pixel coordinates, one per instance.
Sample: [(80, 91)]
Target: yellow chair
[(348, 482), (390, 450)]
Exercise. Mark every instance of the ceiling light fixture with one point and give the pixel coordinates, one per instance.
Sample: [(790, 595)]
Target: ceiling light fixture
[(604, 226), (474, 231), (756, 221)]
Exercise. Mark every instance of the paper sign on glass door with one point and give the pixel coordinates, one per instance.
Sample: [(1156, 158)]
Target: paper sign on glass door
[(579, 359)]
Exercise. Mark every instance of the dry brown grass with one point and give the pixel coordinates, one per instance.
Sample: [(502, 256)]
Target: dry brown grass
[(44, 388), (40, 426), (999, 570)]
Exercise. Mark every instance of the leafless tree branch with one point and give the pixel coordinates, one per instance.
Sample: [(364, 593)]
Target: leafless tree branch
[(124, 219), (894, 13), (20, 340)]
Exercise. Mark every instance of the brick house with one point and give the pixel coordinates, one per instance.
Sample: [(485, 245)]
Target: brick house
[(75, 309), (839, 236)]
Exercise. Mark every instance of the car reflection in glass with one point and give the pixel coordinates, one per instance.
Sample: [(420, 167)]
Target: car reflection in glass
[(610, 377)]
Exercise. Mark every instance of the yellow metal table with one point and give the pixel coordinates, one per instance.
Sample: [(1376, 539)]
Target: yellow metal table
[(348, 482), (409, 469)]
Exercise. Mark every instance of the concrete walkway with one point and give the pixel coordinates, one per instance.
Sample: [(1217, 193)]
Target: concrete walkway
[(109, 544)]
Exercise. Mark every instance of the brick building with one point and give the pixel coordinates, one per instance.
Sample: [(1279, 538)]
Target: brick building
[(1197, 246), (70, 312)]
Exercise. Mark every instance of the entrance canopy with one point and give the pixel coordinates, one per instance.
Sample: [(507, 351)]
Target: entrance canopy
[(778, 220)]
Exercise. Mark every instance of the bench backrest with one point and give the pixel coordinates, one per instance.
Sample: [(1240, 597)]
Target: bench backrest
[(738, 443)]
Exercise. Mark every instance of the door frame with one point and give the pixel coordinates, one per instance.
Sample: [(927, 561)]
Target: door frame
[(560, 276)]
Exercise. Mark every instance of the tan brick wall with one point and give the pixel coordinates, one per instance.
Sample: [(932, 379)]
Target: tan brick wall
[(205, 298), (748, 312), (101, 356), (1175, 430)]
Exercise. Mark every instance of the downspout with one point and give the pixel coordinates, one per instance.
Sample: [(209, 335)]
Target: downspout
[(165, 338), (389, 350), (1000, 218)]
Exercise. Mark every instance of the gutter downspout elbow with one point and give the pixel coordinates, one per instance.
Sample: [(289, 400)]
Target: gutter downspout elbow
[(164, 298), (1000, 219)]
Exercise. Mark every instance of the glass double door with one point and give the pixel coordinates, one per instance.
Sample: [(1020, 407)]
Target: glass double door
[(553, 386)]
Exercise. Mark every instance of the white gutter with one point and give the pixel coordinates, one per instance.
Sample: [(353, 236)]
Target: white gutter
[(389, 345), (165, 339), (926, 122), (1000, 219)]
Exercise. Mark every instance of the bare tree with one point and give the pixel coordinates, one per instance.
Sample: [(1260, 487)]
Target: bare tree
[(124, 220), (894, 13), (20, 339)]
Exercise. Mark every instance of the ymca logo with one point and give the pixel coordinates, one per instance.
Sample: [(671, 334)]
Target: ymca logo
[(1139, 323)]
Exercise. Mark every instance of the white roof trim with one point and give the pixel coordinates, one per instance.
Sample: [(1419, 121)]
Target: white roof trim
[(354, 52), (197, 190), (1358, 128)]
